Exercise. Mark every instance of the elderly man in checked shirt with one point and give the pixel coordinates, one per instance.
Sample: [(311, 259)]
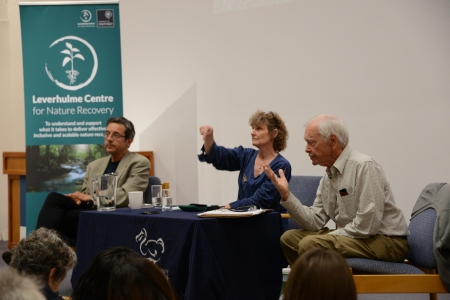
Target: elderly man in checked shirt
[(354, 193)]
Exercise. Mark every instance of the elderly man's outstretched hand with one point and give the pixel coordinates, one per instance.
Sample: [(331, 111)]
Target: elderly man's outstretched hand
[(280, 183)]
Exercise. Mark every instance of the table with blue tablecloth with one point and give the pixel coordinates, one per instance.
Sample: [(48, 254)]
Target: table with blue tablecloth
[(203, 258)]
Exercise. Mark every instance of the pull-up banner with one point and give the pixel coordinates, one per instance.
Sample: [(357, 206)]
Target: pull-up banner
[(73, 84)]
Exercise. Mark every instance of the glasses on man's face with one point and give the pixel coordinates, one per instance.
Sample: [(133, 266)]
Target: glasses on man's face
[(274, 119), (113, 135)]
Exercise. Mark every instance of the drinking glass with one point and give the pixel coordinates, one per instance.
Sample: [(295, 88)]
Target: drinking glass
[(167, 200), (156, 195)]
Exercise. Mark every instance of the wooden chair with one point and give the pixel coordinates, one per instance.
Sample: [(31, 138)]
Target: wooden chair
[(404, 283), (418, 274)]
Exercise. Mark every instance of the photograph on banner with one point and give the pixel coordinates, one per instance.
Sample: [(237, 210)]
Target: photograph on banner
[(60, 168)]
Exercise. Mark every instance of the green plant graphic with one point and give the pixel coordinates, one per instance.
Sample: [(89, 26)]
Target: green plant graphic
[(72, 54)]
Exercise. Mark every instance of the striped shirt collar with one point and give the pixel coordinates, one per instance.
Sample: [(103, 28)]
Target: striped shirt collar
[(339, 164)]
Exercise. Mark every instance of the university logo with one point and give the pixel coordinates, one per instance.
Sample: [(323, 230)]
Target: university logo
[(76, 67), (105, 18), (153, 248)]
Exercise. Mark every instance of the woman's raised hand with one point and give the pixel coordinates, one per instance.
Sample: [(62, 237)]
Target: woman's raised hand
[(208, 138)]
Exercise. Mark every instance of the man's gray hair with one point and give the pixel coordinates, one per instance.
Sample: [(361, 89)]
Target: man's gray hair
[(331, 125), (40, 252), (16, 287)]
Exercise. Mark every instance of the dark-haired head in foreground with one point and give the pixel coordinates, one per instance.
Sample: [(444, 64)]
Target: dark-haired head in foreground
[(320, 274), (120, 273)]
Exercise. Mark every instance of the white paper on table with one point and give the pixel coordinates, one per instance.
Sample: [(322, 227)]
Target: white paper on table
[(225, 213)]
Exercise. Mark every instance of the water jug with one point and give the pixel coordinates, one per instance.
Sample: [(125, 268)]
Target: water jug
[(103, 191)]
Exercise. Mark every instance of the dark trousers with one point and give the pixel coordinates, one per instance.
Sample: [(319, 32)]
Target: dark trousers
[(61, 213)]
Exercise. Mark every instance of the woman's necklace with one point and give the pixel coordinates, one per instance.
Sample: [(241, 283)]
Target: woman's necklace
[(265, 161)]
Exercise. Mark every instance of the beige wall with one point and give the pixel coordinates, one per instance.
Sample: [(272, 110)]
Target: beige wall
[(11, 92), (383, 66)]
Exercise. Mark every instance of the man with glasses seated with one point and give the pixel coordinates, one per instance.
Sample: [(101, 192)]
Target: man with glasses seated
[(61, 212)]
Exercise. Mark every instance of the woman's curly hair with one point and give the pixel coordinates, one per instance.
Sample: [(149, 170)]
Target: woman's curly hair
[(40, 252), (273, 121)]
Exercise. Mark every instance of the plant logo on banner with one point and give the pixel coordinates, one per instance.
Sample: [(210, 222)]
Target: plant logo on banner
[(86, 15), (73, 55), (72, 84)]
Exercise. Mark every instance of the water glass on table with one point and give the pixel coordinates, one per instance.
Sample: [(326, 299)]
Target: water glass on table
[(167, 200), (156, 191)]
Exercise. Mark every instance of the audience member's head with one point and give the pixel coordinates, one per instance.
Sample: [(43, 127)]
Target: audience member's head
[(320, 274), (120, 273), (44, 256), (13, 286)]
